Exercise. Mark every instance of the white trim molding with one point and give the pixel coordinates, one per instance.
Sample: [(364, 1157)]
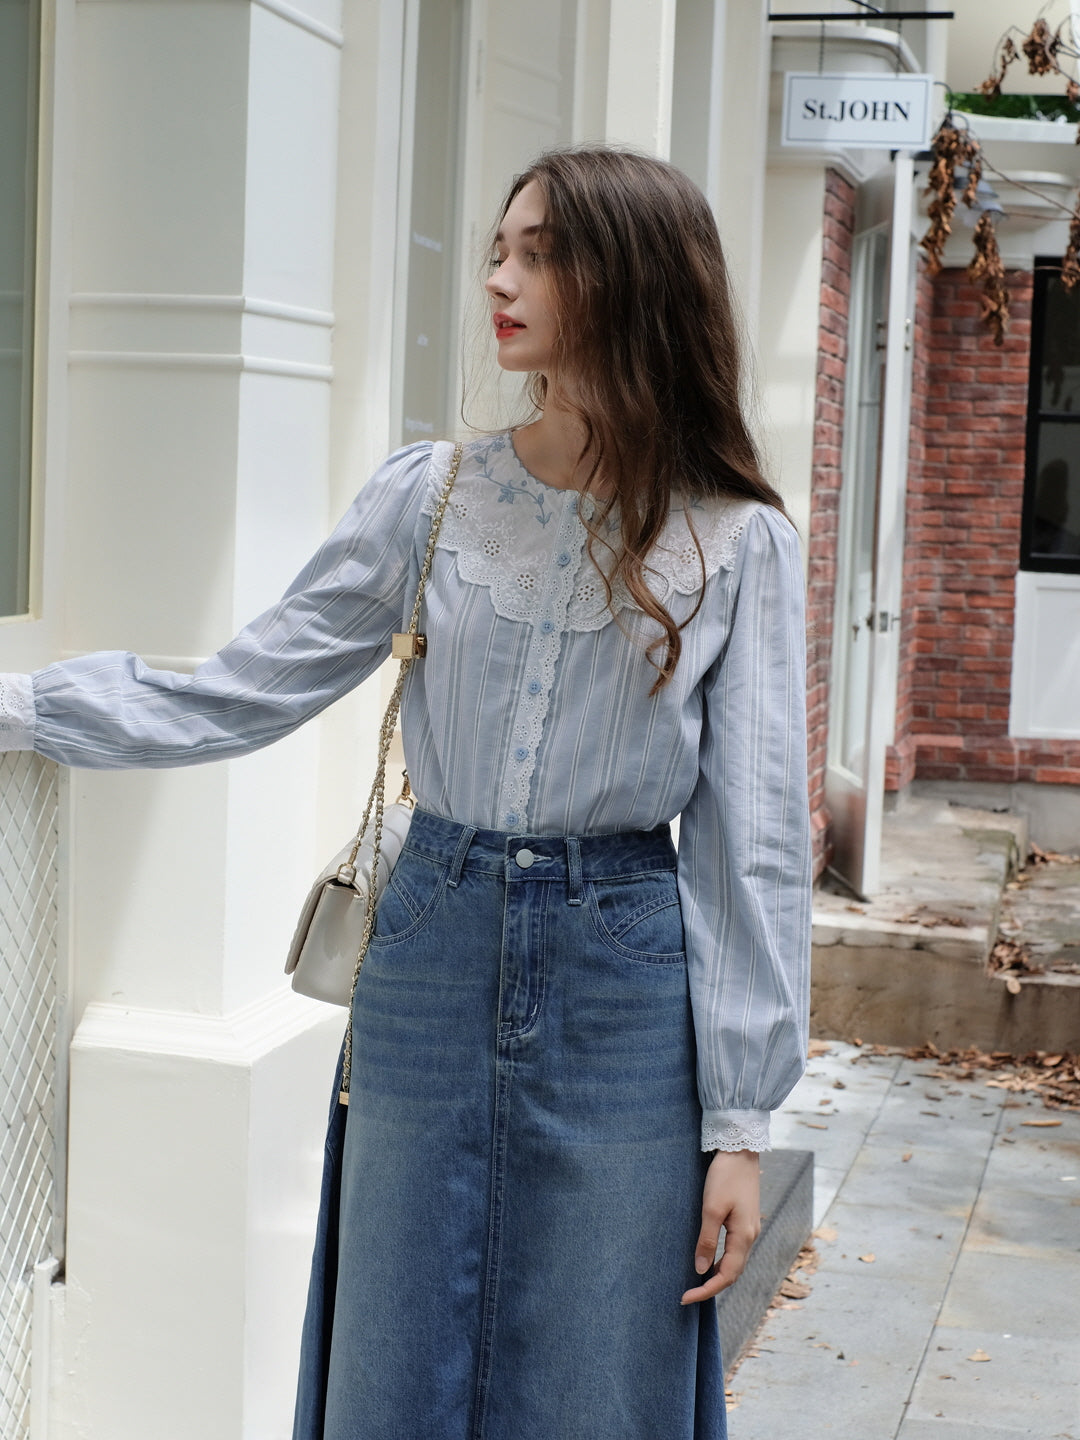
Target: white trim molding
[(240, 1038), (185, 360), (296, 17), (224, 304)]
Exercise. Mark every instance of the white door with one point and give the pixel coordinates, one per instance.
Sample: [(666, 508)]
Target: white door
[(871, 541), (855, 625)]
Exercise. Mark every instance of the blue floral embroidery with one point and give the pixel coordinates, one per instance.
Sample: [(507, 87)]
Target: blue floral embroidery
[(508, 489)]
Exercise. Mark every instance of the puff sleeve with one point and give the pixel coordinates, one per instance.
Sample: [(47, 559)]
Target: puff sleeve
[(744, 849), (330, 630)]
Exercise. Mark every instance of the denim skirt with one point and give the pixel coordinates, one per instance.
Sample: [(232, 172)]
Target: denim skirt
[(512, 1197)]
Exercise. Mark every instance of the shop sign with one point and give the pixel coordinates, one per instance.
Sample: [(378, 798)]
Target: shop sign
[(863, 110)]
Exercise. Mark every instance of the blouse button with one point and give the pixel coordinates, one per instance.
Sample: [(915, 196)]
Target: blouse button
[(563, 558), (510, 819), (547, 627), (534, 687), (521, 753)]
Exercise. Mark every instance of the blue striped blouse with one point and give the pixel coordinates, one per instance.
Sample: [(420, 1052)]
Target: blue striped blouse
[(531, 713)]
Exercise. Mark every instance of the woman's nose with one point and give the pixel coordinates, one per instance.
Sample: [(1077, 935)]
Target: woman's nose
[(500, 282)]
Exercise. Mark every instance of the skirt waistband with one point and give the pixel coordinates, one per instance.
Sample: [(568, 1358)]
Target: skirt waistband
[(572, 858)]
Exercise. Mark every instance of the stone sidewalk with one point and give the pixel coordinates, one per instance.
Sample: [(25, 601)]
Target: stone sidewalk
[(946, 1304)]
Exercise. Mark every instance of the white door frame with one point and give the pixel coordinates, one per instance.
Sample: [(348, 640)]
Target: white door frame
[(858, 801)]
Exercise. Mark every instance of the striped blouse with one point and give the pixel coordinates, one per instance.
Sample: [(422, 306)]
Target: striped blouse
[(531, 714)]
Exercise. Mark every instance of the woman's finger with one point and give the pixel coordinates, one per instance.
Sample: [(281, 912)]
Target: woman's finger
[(730, 1202)]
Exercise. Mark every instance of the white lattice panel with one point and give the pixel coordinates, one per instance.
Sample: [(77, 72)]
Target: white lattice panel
[(28, 1050)]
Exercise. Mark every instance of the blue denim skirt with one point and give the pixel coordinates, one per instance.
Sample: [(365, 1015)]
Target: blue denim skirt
[(512, 1197)]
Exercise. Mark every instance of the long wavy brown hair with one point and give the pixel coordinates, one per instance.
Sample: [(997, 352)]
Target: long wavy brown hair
[(647, 354)]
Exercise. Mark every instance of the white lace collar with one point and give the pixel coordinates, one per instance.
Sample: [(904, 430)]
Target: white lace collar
[(525, 541)]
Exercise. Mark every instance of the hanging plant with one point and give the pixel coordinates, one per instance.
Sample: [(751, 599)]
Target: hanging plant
[(1070, 261), (987, 269), (1006, 54), (1042, 48), (952, 147), (958, 157)]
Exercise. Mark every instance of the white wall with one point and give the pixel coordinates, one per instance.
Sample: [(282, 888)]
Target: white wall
[(201, 173)]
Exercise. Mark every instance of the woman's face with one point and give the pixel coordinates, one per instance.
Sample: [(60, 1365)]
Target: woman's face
[(519, 286)]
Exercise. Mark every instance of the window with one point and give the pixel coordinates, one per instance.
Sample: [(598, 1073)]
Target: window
[(1050, 536), (428, 340), (19, 26)]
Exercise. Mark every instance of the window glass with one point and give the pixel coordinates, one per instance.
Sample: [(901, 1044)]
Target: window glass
[(428, 338), (1060, 359), (1051, 523), (18, 183), (1055, 523)]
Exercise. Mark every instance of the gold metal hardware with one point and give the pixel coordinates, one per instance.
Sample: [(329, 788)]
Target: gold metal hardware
[(409, 646)]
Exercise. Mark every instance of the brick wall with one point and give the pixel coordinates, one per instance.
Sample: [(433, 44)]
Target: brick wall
[(839, 228), (965, 489)]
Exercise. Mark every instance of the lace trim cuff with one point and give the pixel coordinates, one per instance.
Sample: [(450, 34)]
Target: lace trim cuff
[(735, 1130), (16, 712)]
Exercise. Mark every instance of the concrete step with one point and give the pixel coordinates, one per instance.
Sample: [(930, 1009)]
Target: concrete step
[(787, 1208), (910, 965)]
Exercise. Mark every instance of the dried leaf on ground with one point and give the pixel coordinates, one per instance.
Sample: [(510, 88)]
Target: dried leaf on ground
[(794, 1289), (868, 1259), (928, 919), (1039, 856), (1041, 1124), (979, 1356), (817, 1048), (807, 1260), (1054, 1077)]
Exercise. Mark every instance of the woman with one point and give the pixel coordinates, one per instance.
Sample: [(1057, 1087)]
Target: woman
[(566, 1041)]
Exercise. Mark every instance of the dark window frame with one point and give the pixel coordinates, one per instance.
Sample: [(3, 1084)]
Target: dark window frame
[(1046, 269)]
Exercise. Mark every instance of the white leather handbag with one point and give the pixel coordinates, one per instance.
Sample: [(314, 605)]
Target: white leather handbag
[(329, 934)]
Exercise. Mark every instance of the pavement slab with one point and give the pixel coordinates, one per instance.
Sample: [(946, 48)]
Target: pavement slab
[(948, 1227)]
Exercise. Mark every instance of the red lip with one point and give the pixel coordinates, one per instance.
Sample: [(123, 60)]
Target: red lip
[(505, 324)]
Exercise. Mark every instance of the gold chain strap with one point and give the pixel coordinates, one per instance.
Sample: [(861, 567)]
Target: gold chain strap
[(407, 648)]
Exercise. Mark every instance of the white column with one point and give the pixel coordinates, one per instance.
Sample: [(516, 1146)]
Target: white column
[(201, 475), (641, 60), (736, 181), (790, 314)]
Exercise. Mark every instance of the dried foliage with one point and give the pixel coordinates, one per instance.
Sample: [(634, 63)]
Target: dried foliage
[(1042, 48), (1054, 1078), (1070, 261), (951, 147), (958, 156), (987, 269), (1006, 54)]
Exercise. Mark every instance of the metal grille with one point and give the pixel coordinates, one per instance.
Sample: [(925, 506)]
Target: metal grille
[(29, 1109)]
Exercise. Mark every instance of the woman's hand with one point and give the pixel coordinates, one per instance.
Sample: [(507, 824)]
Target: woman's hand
[(732, 1199)]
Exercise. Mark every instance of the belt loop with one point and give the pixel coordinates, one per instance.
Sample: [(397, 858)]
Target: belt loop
[(468, 835), (573, 862)]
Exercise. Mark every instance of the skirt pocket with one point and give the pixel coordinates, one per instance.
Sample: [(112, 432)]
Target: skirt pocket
[(413, 893), (639, 918)]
